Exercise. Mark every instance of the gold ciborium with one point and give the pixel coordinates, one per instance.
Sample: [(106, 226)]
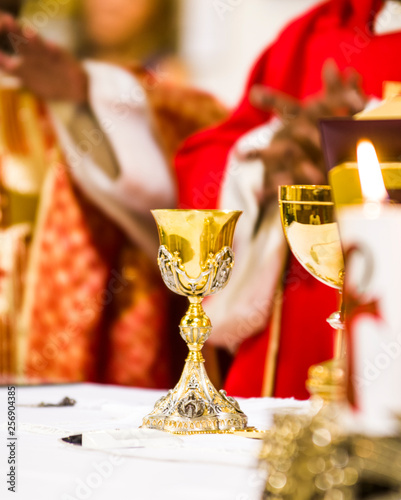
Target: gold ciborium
[(195, 259), (310, 227)]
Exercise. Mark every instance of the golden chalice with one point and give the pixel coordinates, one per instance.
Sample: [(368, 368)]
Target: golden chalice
[(195, 259), (307, 214)]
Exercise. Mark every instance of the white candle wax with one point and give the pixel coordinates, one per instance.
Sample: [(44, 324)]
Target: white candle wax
[(371, 238)]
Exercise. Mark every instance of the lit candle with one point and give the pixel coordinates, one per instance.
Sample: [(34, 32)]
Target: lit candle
[(371, 238), (370, 175)]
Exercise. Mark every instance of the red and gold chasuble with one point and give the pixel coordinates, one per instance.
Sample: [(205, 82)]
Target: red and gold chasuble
[(94, 307)]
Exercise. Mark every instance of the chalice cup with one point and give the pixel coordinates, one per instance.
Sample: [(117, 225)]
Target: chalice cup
[(196, 259), (310, 227)]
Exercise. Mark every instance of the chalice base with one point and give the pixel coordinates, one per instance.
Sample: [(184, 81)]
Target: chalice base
[(327, 380), (194, 406)]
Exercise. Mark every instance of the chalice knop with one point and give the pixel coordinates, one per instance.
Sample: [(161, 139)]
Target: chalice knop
[(310, 227), (195, 259)]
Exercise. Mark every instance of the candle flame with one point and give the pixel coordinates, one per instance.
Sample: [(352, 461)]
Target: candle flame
[(370, 175)]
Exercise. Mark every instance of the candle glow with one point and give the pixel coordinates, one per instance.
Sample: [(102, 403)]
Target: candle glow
[(372, 184)]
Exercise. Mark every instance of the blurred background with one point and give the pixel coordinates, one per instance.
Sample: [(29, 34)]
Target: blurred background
[(207, 44), (216, 41), (221, 40)]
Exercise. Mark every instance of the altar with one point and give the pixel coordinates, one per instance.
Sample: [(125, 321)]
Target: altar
[(220, 467)]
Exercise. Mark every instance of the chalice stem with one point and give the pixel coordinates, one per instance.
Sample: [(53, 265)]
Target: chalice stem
[(195, 328), (194, 405), (326, 380), (340, 345)]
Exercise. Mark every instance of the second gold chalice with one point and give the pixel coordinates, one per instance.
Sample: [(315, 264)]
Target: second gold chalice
[(196, 259), (310, 227)]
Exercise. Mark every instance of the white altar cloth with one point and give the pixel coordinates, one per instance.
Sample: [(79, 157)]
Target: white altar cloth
[(212, 467)]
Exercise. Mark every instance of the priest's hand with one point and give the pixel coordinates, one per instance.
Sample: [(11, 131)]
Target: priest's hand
[(45, 69), (294, 155)]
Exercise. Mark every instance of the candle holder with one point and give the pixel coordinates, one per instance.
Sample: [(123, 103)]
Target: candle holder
[(310, 227), (196, 259)]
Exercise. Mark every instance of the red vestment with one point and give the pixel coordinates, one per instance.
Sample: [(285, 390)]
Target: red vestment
[(337, 29)]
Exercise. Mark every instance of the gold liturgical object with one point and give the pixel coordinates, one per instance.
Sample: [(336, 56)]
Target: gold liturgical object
[(196, 259), (310, 227)]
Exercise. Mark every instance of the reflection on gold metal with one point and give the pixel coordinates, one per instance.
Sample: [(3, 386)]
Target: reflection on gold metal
[(311, 457), (195, 259), (310, 227), (311, 230)]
